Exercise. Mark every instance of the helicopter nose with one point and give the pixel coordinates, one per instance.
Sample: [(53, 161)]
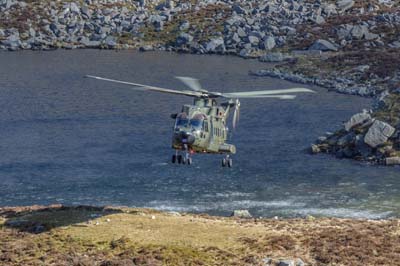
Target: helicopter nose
[(186, 137)]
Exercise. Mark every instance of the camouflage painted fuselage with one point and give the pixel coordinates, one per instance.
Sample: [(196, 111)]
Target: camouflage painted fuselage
[(202, 127)]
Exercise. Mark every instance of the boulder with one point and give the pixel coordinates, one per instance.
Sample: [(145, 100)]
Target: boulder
[(314, 149), (275, 57), (286, 263), (146, 48), (300, 262), (157, 22), (241, 214), (216, 45), (269, 43), (359, 32), (344, 5), (378, 133), (13, 42), (110, 41), (241, 32), (183, 39), (392, 161), (253, 40), (323, 45), (184, 25), (357, 119), (238, 9), (86, 11), (346, 139)]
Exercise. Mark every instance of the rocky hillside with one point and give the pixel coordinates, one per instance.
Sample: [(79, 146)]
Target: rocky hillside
[(349, 46), (96, 236)]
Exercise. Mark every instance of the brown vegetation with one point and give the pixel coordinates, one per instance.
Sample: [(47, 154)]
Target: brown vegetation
[(121, 236)]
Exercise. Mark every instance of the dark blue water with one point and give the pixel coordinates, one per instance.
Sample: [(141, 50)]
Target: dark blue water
[(66, 139)]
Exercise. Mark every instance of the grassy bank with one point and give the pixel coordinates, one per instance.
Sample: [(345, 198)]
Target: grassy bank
[(59, 235)]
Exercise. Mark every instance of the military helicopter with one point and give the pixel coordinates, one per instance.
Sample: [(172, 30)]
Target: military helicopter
[(202, 127)]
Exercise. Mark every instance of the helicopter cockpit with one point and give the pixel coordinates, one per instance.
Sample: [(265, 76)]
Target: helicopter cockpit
[(195, 123)]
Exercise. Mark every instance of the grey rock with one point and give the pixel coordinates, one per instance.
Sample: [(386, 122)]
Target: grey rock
[(241, 32), (286, 263), (157, 22), (238, 9), (378, 133), (146, 48), (300, 262), (359, 32), (357, 119), (236, 38), (363, 149), (344, 5), (86, 11), (315, 149), (13, 42), (253, 40), (183, 39), (395, 44), (269, 43), (323, 45), (142, 3), (216, 45), (346, 139), (362, 68), (241, 214), (266, 261), (184, 25), (89, 44), (392, 161), (328, 9), (246, 53), (274, 57), (319, 20)]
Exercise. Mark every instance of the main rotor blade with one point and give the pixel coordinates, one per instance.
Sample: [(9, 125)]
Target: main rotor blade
[(262, 93), (281, 97), (149, 88), (192, 83)]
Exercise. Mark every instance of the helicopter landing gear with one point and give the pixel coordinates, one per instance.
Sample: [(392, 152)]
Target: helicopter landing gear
[(182, 159), (227, 161)]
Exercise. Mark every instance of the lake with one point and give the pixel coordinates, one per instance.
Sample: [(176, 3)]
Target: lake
[(70, 140)]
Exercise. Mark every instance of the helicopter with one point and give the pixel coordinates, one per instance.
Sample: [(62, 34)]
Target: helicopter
[(202, 127)]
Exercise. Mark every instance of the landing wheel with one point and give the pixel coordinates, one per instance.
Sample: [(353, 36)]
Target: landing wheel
[(173, 160), (189, 161), (223, 162), (183, 160), (180, 159), (229, 162)]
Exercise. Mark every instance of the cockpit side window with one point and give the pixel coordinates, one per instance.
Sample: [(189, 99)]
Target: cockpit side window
[(181, 120)]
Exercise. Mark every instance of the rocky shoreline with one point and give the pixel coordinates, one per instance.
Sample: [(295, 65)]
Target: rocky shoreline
[(122, 236), (346, 46)]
